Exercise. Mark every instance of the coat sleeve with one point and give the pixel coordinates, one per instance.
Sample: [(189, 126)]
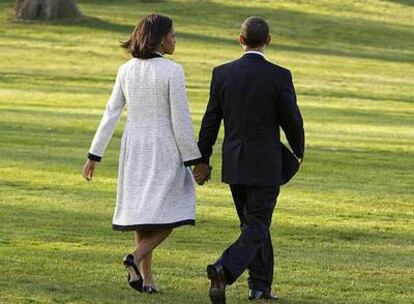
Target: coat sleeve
[(181, 119), (290, 117), (210, 125), (108, 122)]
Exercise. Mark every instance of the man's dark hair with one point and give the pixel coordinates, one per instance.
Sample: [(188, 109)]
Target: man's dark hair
[(254, 31), (147, 35)]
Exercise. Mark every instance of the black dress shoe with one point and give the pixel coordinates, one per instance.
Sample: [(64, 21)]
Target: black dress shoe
[(131, 266), (217, 291), (260, 295)]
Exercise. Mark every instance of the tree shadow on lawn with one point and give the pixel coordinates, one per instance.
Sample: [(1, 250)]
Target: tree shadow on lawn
[(25, 76), (364, 172), (314, 34), (49, 223), (368, 117), (52, 82), (54, 224), (402, 2), (340, 169), (56, 113), (388, 55), (107, 288), (313, 247), (346, 94), (53, 228)]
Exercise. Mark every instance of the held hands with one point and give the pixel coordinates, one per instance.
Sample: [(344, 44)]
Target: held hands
[(89, 169), (202, 173)]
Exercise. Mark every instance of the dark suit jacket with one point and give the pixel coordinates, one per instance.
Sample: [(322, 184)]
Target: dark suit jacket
[(254, 98)]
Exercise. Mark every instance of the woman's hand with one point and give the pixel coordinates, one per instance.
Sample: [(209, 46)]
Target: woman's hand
[(89, 169)]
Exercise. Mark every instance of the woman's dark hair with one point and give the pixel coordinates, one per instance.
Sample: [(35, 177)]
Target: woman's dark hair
[(255, 31), (147, 35)]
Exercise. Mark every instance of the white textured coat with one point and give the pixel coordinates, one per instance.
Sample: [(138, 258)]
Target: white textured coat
[(154, 186)]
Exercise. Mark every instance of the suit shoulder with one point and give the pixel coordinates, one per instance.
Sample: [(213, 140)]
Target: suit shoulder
[(279, 69), (222, 67)]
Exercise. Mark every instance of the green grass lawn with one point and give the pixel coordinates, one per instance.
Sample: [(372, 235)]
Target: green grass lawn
[(343, 230)]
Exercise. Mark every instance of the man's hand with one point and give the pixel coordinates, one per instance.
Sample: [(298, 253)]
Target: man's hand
[(89, 169), (202, 173)]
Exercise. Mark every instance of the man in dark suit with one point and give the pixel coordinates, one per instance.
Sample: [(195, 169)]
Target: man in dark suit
[(254, 98)]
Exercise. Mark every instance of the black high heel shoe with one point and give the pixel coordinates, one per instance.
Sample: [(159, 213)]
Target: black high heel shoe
[(132, 267)]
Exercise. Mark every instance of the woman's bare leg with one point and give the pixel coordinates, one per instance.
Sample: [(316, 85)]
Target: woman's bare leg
[(145, 264), (146, 242)]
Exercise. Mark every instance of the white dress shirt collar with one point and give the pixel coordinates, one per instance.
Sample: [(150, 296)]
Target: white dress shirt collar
[(255, 52)]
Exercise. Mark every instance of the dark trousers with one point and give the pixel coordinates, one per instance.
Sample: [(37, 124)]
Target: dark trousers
[(253, 249)]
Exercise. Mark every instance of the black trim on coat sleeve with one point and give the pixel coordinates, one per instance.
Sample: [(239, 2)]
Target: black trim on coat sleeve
[(193, 162), (94, 157)]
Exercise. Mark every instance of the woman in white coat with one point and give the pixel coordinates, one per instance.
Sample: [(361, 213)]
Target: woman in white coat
[(155, 186)]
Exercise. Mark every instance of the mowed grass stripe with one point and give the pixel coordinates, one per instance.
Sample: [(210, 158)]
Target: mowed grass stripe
[(342, 230)]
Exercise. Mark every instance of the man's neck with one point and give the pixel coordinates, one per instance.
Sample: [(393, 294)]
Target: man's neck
[(258, 53), (260, 50)]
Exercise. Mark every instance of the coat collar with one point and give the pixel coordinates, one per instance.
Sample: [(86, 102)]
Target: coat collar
[(155, 55), (254, 55)]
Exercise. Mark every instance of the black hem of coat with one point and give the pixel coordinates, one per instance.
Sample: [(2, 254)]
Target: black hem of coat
[(152, 226)]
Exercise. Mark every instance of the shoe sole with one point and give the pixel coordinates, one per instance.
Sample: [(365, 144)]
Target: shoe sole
[(217, 296)]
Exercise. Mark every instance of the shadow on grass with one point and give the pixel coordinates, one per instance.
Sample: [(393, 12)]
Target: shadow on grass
[(390, 56), (90, 228), (49, 223), (402, 2), (314, 34), (40, 75), (56, 147), (47, 82), (336, 93), (309, 33), (363, 117)]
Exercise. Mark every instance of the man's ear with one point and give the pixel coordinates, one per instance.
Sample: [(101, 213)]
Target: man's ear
[(241, 40), (269, 38)]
